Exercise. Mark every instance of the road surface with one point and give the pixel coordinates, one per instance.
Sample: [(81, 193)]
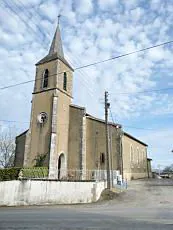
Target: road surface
[(144, 206)]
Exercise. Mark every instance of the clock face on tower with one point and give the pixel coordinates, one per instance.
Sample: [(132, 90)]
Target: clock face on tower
[(42, 118)]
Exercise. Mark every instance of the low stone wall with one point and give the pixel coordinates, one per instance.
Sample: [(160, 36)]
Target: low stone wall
[(39, 192), (134, 176)]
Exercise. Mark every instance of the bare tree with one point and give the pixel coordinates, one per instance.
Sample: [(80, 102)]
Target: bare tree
[(168, 169), (7, 148)]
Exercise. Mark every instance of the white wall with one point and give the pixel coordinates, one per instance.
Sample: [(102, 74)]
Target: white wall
[(32, 192)]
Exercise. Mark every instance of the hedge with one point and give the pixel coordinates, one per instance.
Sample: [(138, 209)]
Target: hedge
[(36, 172), (9, 173)]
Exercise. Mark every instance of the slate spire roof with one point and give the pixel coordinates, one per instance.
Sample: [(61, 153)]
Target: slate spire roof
[(56, 50), (56, 45)]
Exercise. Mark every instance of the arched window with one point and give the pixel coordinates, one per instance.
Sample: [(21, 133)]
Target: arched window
[(102, 158), (131, 154), (138, 156), (143, 158), (45, 78), (65, 81)]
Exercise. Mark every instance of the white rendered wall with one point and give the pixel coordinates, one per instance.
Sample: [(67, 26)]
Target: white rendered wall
[(32, 192)]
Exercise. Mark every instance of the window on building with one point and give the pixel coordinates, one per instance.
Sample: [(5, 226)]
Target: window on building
[(45, 78), (102, 158), (131, 154), (65, 81), (138, 156), (144, 159)]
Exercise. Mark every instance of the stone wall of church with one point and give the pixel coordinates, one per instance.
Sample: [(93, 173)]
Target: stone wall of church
[(96, 145), (62, 128), (75, 138), (134, 159), (40, 134), (20, 149)]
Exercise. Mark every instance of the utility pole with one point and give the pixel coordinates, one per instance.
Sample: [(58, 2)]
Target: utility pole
[(107, 105)]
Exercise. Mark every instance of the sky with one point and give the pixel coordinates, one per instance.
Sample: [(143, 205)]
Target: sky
[(94, 30)]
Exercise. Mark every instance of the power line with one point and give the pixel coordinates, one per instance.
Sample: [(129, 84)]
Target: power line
[(111, 115), (22, 7), (44, 35), (145, 91), (133, 127), (85, 66), (8, 6), (13, 121), (95, 63), (124, 55), (65, 124)]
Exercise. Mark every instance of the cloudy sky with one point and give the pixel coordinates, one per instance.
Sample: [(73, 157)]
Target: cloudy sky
[(94, 30)]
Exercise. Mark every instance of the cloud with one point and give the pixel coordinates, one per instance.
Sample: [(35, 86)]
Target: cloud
[(84, 7), (159, 151), (91, 31), (47, 7), (104, 5), (28, 2)]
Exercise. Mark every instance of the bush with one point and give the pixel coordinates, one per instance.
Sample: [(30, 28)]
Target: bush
[(9, 173), (36, 172)]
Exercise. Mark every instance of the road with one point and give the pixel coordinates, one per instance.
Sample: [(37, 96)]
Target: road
[(144, 206)]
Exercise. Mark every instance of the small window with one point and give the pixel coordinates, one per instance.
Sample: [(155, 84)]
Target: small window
[(65, 81), (102, 158), (138, 156), (131, 154), (45, 78)]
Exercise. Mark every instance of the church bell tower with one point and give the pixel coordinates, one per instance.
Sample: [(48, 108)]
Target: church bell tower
[(49, 124)]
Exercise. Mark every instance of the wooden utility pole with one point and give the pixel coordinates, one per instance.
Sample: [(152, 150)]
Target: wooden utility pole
[(107, 105)]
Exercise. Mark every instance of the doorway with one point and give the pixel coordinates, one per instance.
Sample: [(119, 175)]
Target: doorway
[(61, 166)]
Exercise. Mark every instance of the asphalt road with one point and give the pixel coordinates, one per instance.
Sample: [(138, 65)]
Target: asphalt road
[(146, 205), (70, 218)]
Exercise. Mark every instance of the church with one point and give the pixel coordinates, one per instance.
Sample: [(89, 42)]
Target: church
[(65, 136)]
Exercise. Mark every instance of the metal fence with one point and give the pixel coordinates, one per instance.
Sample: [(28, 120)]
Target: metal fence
[(75, 175)]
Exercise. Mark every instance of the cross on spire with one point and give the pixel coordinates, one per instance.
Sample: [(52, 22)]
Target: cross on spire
[(59, 15)]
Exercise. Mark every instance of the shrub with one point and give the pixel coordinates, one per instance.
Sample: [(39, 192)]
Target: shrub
[(9, 173), (39, 160), (36, 172)]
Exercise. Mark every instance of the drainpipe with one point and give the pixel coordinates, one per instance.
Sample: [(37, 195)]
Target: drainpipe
[(147, 164), (148, 169)]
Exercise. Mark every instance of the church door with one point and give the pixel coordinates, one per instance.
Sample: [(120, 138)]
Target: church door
[(61, 166)]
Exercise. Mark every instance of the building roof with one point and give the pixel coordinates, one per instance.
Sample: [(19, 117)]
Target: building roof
[(22, 133), (77, 106), (135, 139), (149, 159), (56, 50), (101, 120), (56, 45), (115, 125)]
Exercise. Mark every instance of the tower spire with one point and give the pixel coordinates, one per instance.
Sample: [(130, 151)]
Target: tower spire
[(56, 45), (56, 49)]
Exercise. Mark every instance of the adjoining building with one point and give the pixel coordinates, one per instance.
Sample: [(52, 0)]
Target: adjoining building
[(65, 135)]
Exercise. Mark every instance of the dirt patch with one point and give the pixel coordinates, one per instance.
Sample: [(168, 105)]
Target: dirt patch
[(108, 194)]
